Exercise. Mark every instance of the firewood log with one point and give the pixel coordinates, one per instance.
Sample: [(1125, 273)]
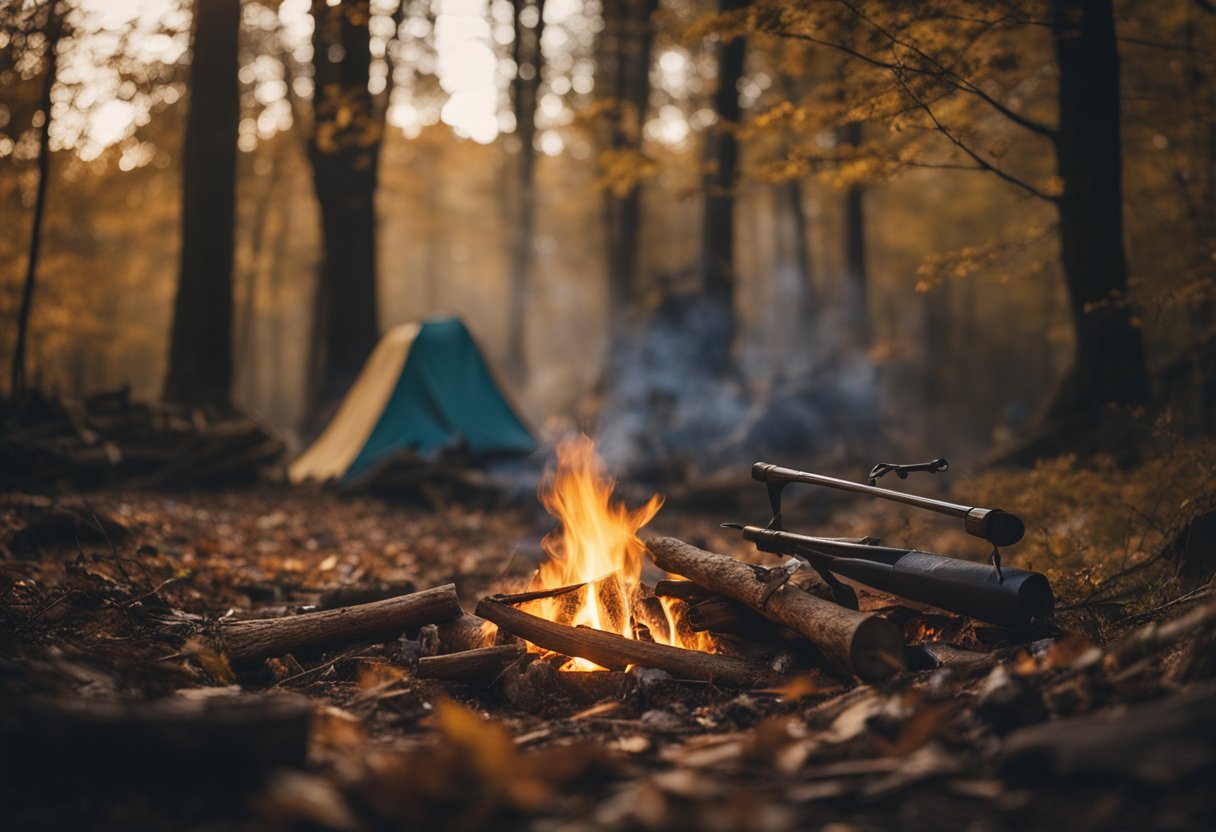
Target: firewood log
[(684, 590), (248, 641), (726, 615), (468, 632), (472, 666), (865, 645), (174, 737), (617, 652)]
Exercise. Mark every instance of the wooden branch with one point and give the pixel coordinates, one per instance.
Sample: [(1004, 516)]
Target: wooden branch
[(176, 737), (866, 645), (726, 615), (540, 594), (248, 641), (617, 652), (684, 590), (481, 665), (1157, 637)]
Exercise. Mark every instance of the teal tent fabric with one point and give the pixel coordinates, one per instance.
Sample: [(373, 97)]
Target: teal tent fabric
[(445, 396)]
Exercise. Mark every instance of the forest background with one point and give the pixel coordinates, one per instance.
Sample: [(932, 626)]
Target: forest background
[(914, 225)]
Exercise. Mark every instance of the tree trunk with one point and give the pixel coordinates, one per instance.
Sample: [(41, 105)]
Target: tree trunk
[(529, 62), (246, 337), (857, 317), (345, 154), (200, 350), (278, 406), (1109, 361), (716, 265), (807, 308), (54, 31), (633, 46), (792, 215)]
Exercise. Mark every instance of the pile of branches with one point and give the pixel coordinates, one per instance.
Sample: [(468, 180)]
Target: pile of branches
[(107, 439)]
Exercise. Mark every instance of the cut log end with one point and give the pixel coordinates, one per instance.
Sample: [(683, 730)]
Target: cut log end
[(877, 649)]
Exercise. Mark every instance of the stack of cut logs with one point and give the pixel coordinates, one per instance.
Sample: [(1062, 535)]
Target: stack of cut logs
[(108, 439), (724, 596)]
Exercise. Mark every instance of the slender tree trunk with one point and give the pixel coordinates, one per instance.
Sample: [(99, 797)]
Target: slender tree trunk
[(717, 257), (794, 304), (200, 351), (345, 154), (278, 406), (1109, 362), (789, 206), (628, 24), (529, 62), (807, 307), (54, 31), (857, 317), (247, 329), (937, 371), (1201, 207), (432, 273)]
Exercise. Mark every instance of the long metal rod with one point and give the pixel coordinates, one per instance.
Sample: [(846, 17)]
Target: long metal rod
[(767, 472), (992, 524)]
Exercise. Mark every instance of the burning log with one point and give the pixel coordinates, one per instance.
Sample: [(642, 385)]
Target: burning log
[(246, 642), (727, 616), (468, 632), (483, 664), (684, 590), (617, 652), (866, 645), (707, 612)]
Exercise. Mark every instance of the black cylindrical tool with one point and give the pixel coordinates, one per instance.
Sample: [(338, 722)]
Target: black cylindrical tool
[(959, 586)]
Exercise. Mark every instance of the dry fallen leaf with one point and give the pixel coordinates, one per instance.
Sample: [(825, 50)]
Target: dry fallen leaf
[(211, 659), (797, 688), (1064, 651)]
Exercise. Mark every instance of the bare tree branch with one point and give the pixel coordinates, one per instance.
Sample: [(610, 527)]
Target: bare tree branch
[(983, 163), (948, 75)]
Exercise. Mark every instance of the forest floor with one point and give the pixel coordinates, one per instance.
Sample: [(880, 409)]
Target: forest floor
[(1105, 723)]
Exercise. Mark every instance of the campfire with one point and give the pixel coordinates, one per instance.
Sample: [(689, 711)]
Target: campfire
[(596, 549), (711, 618)]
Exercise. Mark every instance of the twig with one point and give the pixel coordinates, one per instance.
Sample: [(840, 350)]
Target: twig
[(154, 590), (1197, 594), (540, 594), (349, 654), (983, 163), (45, 610)]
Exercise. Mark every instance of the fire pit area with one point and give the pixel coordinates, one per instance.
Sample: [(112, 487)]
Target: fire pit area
[(652, 670)]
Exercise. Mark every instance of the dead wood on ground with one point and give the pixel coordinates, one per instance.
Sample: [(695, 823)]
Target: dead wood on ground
[(248, 641), (617, 652), (866, 645)]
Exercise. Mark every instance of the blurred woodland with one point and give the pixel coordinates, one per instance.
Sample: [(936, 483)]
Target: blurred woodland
[(823, 233), (947, 220)]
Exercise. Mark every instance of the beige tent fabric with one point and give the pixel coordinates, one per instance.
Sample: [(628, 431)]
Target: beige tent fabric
[(346, 434)]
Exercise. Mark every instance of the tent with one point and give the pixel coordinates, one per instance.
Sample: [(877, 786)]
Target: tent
[(425, 388)]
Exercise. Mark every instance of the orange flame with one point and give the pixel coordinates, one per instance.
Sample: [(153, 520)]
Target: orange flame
[(597, 544)]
